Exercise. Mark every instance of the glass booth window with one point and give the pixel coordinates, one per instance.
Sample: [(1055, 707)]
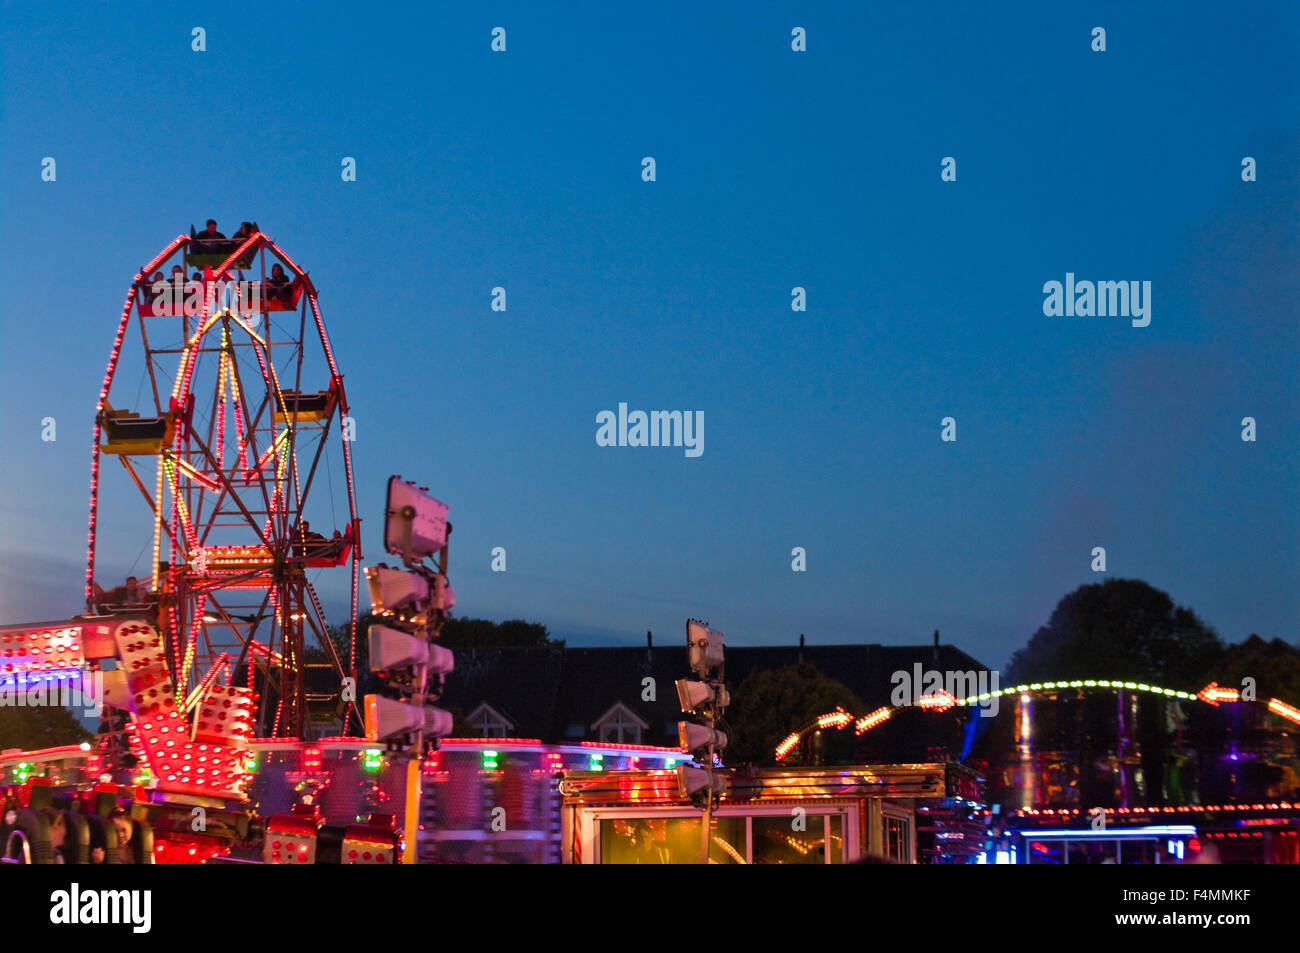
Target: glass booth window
[(670, 840), (776, 839), (897, 840), (798, 840)]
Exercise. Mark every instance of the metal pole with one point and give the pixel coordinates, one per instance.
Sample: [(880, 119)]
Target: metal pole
[(708, 793), (413, 792), (413, 770), (708, 811)]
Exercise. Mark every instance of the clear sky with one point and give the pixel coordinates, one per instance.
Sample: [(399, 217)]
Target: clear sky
[(775, 169)]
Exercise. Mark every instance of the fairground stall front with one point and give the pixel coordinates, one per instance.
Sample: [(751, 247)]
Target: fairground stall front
[(1098, 770), (766, 816)]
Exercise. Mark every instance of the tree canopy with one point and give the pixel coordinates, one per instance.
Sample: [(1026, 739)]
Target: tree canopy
[(771, 703), (486, 634), (1120, 628), (42, 726), (456, 634), (1275, 667)]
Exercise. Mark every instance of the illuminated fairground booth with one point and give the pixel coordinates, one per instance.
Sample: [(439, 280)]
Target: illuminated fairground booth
[(489, 800), (766, 816), (1100, 771), (483, 801)]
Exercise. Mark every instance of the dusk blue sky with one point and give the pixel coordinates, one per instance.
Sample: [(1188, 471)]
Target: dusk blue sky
[(774, 169)]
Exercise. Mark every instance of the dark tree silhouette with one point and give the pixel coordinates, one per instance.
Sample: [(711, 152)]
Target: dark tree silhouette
[(41, 726), (1121, 628), (1275, 667), (456, 634), (771, 703), (485, 634)]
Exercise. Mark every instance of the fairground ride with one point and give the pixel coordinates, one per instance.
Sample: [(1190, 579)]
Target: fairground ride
[(225, 411)]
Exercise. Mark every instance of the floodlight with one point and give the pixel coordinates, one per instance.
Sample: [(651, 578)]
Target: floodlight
[(691, 781), (392, 648), (441, 660), (695, 695), (704, 646), (393, 589), (386, 718), (415, 524), (699, 739)]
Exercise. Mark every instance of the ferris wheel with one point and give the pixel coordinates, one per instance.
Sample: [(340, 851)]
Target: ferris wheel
[(232, 501)]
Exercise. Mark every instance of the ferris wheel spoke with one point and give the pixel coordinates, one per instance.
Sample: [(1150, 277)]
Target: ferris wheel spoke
[(316, 458), (245, 652), (251, 423), (315, 619), (135, 478), (276, 453), (243, 626), (153, 378), (225, 582), (227, 487), (292, 422), (214, 434), (212, 461), (317, 622)]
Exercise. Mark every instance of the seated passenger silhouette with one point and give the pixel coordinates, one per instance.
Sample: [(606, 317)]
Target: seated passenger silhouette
[(309, 542), (58, 833), (130, 593), (147, 287), (278, 286), (125, 828), (210, 241)]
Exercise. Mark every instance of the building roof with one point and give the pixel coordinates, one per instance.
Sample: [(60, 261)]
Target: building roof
[(557, 693)]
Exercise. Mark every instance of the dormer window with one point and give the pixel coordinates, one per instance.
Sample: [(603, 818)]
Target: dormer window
[(489, 723), (620, 726)]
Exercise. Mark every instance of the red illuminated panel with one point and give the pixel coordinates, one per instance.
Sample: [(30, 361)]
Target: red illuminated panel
[(290, 839), (187, 852), (225, 717), (311, 759), (144, 662), (40, 649), (369, 844), (181, 765)]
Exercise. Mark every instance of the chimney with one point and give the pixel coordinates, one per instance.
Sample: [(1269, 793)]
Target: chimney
[(800, 648), (936, 645), (649, 639)]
